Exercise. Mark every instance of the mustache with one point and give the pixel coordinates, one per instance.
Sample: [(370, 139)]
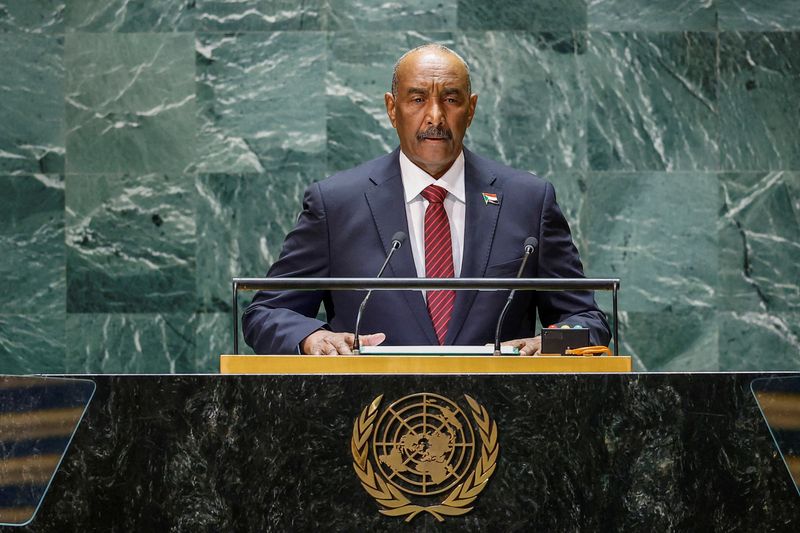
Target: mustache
[(435, 132)]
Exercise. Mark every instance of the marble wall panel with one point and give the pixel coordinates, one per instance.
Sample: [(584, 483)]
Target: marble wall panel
[(130, 243), (32, 343), (130, 104), (31, 103), (671, 341), (755, 15), (375, 15), (657, 232), (751, 339), (34, 16), (32, 244), (759, 100), (531, 15), (138, 343), (650, 15), (531, 111), (241, 223), (759, 242), (261, 102), (260, 15), (130, 15), (653, 101)]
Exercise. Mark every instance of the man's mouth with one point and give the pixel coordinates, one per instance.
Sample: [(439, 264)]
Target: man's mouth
[(435, 134)]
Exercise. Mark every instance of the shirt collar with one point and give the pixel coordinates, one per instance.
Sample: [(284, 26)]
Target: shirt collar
[(415, 179)]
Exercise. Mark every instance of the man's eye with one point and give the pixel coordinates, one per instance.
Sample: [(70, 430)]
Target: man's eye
[(417, 100)]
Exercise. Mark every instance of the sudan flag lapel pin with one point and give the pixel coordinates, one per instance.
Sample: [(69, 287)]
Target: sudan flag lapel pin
[(489, 198)]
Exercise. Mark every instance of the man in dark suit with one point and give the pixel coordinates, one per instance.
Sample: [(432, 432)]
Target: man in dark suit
[(465, 216)]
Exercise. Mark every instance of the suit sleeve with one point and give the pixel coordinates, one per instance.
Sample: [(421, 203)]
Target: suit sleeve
[(276, 321), (558, 258)]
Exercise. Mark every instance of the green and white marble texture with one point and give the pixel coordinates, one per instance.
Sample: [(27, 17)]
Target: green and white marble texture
[(130, 15), (32, 245), (657, 232), (260, 15), (31, 103), (751, 340), (243, 219), (130, 243), (758, 15), (531, 15), (261, 102), (759, 242), (653, 101), (130, 102), (34, 16), (141, 343), (652, 15), (379, 15), (759, 100), (32, 343)]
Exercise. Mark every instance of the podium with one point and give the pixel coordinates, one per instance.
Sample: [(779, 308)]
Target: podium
[(420, 364)]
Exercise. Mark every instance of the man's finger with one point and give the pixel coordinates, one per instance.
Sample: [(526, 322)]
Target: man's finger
[(328, 348), (341, 347), (373, 339)]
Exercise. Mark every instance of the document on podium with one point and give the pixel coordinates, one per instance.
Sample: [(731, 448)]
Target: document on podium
[(437, 350)]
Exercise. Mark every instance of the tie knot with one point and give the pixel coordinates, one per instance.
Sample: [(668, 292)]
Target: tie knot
[(434, 194)]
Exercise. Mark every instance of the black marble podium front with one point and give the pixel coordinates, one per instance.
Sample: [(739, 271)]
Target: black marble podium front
[(635, 452)]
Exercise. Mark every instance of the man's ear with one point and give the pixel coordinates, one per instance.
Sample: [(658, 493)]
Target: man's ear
[(388, 99), (473, 103)]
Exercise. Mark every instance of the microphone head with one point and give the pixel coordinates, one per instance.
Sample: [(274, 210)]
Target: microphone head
[(399, 238), (531, 242)]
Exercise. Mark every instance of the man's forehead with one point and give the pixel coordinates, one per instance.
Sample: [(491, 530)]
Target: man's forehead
[(423, 68)]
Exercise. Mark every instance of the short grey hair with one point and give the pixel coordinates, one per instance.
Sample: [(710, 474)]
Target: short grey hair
[(429, 46)]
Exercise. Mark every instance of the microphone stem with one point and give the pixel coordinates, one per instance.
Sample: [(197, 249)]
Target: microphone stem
[(528, 251), (356, 341)]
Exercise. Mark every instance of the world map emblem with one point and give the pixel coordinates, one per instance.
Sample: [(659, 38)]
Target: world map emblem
[(424, 454)]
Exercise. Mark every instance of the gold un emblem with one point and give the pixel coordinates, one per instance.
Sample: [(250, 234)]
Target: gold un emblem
[(426, 454)]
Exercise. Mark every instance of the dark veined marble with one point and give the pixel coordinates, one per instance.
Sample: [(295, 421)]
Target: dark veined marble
[(31, 103), (649, 15), (32, 244), (759, 102), (272, 453), (130, 15), (532, 15), (653, 101), (130, 103), (751, 340), (34, 16), (130, 243), (754, 15), (261, 102), (151, 343)]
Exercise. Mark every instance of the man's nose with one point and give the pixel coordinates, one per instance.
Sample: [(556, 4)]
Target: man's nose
[(435, 116)]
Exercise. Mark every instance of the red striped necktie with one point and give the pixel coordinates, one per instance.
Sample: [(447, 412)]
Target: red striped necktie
[(438, 258)]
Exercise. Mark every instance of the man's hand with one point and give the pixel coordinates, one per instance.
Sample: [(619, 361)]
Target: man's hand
[(324, 342), (527, 346)]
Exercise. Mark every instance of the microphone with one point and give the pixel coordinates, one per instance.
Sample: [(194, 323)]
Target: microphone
[(397, 241), (529, 245)]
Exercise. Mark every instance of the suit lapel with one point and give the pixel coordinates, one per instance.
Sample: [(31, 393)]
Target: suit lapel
[(481, 221), (386, 201)]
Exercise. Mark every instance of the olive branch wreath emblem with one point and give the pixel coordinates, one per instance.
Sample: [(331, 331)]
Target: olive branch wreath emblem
[(393, 501)]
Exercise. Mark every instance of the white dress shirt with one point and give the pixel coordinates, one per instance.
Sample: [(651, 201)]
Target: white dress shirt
[(414, 181)]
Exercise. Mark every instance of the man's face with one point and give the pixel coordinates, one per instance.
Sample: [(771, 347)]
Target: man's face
[(432, 109)]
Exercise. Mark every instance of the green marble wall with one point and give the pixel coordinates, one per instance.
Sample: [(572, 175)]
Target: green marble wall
[(149, 151)]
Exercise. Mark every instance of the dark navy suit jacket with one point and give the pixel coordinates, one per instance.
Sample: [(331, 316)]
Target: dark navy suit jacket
[(345, 230)]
